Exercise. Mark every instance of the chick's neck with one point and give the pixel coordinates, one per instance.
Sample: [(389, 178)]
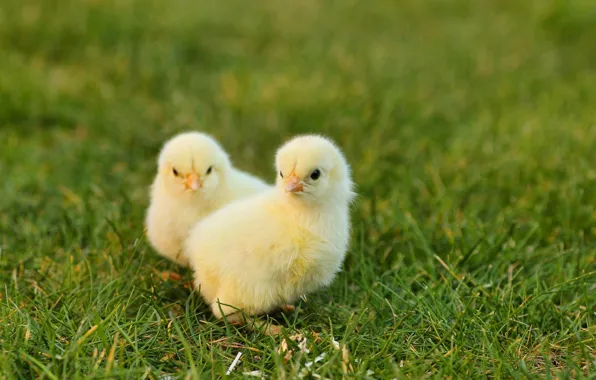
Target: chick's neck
[(309, 213)]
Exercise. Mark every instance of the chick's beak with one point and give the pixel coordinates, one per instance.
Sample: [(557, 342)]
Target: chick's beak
[(193, 182), (294, 185)]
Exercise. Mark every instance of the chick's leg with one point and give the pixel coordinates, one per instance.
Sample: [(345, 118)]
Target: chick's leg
[(288, 308), (239, 315), (222, 307), (267, 327)]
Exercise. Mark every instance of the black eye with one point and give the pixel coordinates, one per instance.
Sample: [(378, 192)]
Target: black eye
[(281, 174), (210, 170), (175, 172), (315, 174)]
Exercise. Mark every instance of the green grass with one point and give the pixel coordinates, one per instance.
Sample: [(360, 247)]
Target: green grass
[(470, 126)]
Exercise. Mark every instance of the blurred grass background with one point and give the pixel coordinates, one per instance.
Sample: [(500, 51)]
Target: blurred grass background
[(470, 126)]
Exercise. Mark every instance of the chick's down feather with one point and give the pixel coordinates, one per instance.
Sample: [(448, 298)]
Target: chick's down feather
[(195, 178), (264, 251)]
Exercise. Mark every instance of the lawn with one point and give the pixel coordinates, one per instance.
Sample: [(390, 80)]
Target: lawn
[(470, 127)]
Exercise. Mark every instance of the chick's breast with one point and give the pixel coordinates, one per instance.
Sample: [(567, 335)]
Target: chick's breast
[(249, 254)]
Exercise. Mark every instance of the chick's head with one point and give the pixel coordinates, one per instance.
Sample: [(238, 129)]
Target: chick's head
[(192, 163), (314, 169)]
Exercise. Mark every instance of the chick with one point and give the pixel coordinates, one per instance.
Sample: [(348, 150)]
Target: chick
[(195, 177), (267, 250)]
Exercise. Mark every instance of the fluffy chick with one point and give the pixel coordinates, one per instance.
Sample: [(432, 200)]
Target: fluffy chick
[(195, 177), (267, 250)]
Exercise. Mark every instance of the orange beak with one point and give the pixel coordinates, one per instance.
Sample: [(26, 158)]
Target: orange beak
[(193, 182), (293, 184)]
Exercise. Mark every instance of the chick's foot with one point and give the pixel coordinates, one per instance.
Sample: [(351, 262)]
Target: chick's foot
[(288, 308)]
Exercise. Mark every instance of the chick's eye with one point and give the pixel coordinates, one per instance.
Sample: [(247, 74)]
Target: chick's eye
[(281, 174), (175, 172), (315, 174), (210, 170)]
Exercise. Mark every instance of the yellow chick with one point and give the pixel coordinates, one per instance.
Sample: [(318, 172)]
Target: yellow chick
[(267, 250), (195, 177)]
